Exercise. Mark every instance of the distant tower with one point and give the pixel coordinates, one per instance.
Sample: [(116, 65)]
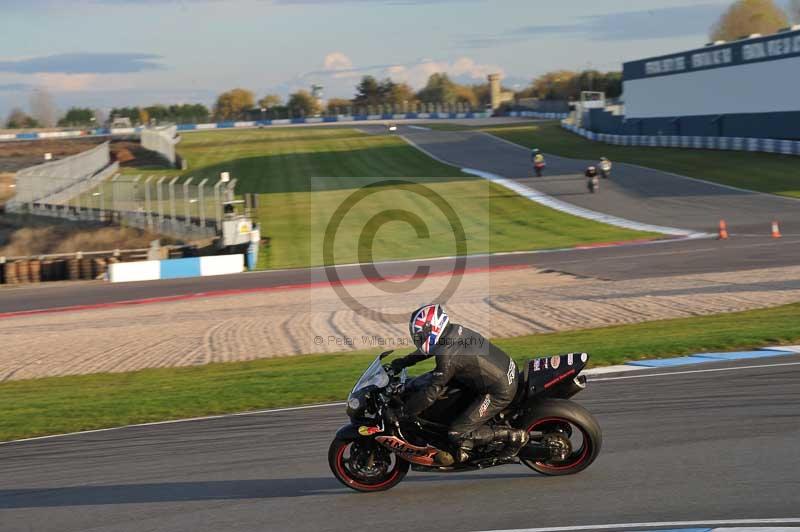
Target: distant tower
[(496, 94)]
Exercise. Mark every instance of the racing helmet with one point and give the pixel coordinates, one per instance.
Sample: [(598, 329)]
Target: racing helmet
[(427, 325)]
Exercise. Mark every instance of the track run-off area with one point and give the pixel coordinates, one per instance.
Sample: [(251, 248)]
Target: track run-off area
[(711, 445)]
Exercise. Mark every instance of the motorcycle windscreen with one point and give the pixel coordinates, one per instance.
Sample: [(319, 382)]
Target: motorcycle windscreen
[(375, 375), (544, 373)]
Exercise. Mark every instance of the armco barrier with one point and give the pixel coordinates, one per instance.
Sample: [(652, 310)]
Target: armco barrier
[(152, 270), (785, 147)]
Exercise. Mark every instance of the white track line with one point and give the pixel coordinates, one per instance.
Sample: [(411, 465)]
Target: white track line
[(788, 520), (327, 405), (713, 370), (175, 421)]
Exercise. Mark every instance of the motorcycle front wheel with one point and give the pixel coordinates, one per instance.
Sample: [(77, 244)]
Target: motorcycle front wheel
[(365, 465), (567, 426)]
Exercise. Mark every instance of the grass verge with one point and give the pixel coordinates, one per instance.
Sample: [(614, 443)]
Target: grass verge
[(65, 404), (764, 172), (304, 174)]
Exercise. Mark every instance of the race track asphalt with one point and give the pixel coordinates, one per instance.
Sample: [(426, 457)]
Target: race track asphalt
[(634, 193), (686, 446)]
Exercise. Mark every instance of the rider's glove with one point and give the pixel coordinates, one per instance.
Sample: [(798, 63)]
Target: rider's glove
[(395, 367)]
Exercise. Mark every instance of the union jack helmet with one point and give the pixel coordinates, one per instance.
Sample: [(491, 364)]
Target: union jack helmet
[(427, 325)]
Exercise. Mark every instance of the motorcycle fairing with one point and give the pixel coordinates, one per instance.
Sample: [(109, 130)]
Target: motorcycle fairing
[(544, 373), (411, 453)]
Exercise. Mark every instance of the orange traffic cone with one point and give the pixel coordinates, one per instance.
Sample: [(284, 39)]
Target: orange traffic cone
[(723, 230), (776, 230)]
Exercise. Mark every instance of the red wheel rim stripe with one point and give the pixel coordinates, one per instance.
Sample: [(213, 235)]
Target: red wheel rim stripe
[(586, 443), (343, 473)]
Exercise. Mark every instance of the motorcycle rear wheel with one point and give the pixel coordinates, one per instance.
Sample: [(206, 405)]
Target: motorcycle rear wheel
[(569, 424), (344, 467)]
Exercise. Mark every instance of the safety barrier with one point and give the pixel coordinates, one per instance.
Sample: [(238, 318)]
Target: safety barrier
[(537, 114), (127, 131), (785, 147), (152, 270), (60, 180), (162, 140)]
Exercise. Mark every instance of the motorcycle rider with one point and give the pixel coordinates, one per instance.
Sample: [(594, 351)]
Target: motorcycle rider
[(605, 168), (466, 359), (538, 161), (591, 175)]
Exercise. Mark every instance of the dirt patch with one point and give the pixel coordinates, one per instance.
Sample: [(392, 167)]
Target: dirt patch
[(33, 235), (17, 155)]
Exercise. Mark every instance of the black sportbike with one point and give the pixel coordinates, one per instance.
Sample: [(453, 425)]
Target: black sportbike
[(375, 451)]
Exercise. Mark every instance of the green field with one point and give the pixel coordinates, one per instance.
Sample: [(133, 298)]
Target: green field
[(65, 404), (303, 174), (765, 172)]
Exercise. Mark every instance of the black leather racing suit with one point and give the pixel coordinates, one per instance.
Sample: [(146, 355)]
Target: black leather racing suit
[(469, 361)]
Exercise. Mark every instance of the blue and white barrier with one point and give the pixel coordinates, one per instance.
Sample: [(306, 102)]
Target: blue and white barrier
[(785, 147), (538, 114), (104, 132), (153, 270)]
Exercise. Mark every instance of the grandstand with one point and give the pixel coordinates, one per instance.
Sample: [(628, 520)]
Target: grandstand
[(744, 88)]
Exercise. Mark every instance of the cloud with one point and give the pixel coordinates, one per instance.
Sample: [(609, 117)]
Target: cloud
[(340, 75), (15, 87), (678, 21), (84, 63)]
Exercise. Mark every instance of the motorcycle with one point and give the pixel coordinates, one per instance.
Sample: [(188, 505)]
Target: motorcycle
[(539, 167), (375, 451), (593, 184), (605, 169)]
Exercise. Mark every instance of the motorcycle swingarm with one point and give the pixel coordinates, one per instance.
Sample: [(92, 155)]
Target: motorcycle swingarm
[(536, 451)]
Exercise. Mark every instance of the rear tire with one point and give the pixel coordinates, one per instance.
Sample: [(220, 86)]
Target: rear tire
[(344, 468), (563, 420)]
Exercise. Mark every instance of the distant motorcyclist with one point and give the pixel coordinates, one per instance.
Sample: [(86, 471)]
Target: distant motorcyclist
[(592, 183), (467, 360), (605, 168), (538, 161)]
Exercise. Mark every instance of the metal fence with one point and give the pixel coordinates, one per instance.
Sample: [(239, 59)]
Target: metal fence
[(168, 205)]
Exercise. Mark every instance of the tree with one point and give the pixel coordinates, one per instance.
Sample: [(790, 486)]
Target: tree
[(43, 109), (338, 105), (301, 103), (746, 17), (269, 101), (77, 116), (439, 89), (397, 94), (18, 119), (232, 104), (368, 92)]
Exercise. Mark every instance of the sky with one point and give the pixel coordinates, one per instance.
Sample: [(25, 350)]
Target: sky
[(104, 53)]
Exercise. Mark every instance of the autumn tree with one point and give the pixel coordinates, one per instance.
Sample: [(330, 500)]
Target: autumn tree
[(338, 105), (269, 101), (232, 104), (746, 17), (302, 103), (18, 119)]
